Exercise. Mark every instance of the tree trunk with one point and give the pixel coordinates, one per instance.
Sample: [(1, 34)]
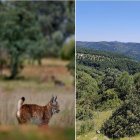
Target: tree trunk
[(39, 62), (1, 69), (14, 67)]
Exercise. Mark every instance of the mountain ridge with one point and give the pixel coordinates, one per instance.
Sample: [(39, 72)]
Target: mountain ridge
[(129, 49)]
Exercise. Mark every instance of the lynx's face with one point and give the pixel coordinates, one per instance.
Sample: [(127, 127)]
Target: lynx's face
[(55, 105)]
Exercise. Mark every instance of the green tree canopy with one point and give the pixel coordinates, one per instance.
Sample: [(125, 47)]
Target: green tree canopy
[(86, 95), (18, 30), (124, 84)]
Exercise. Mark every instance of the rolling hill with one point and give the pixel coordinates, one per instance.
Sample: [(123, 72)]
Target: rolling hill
[(128, 49), (102, 60)]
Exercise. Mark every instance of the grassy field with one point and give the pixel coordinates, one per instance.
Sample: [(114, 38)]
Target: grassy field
[(99, 119), (34, 133), (36, 85)]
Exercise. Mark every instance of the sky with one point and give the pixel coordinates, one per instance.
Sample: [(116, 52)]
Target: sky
[(108, 21)]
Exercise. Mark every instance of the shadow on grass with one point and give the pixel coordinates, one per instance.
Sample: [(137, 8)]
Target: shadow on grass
[(8, 78), (21, 79)]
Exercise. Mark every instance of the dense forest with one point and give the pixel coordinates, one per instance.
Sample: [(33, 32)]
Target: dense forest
[(107, 81), (29, 30)]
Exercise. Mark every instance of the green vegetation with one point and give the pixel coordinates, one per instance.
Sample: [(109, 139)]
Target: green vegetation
[(129, 49), (103, 60), (84, 126), (68, 50), (68, 53), (106, 82), (37, 87), (125, 120), (33, 34), (33, 133), (99, 119), (30, 30)]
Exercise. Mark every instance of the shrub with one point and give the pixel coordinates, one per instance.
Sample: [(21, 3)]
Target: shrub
[(108, 100), (68, 49), (84, 126), (84, 114), (125, 121)]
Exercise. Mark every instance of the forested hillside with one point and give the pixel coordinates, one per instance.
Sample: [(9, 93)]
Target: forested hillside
[(107, 82), (128, 49), (103, 60)]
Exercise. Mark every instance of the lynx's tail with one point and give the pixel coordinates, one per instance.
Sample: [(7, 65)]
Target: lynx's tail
[(20, 103)]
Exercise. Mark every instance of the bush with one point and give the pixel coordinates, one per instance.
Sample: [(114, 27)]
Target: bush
[(125, 121), (86, 95), (108, 100), (84, 126), (84, 114), (68, 49)]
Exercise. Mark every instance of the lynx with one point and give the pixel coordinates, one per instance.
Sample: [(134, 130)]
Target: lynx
[(57, 82), (35, 114)]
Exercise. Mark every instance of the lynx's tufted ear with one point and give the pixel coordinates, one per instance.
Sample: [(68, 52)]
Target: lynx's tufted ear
[(52, 99), (55, 98)]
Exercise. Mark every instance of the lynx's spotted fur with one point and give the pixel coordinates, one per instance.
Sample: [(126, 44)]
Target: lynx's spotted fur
[(32, 113)]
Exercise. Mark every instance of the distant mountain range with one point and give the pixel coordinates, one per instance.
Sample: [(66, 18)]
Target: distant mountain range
[(128, 49)]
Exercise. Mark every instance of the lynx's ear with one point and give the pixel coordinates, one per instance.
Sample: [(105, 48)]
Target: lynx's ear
[(52, 99), (55, 98)]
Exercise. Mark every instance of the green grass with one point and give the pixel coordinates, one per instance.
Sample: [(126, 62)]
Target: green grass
[(31, 133), (131, 138), (99, 119)]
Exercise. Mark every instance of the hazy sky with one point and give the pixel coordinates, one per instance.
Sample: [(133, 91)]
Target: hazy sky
[(108, 21)]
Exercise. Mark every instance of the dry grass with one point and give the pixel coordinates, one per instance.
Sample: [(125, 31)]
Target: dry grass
[(37, 87), (8, 105), (131, 138)]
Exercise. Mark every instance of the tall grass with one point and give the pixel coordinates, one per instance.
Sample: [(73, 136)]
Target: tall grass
[(8, 105), (37, 88)]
